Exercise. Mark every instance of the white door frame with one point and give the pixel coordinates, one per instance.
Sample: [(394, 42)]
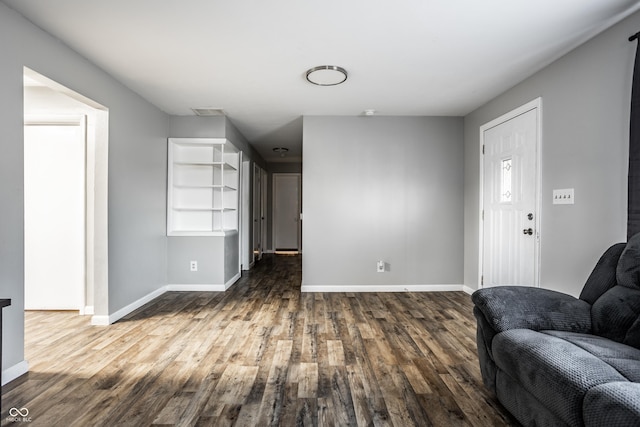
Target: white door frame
[(257, 244), (536, 104), (246, 238), (263, 208)]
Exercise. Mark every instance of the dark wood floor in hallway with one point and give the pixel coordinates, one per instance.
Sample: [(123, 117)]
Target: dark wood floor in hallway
[(260, 354)]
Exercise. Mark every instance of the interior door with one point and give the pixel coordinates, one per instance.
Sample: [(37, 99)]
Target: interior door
[(286, 212), (510, 214), (54, 222)]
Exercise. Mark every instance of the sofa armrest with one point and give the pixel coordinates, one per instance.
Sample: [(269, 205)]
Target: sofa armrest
[(612, 404), (520, 307)]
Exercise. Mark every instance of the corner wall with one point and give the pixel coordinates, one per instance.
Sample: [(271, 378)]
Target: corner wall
[(585, 135)]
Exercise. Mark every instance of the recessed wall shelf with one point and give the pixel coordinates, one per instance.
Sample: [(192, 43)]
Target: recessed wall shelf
[(202, 190)]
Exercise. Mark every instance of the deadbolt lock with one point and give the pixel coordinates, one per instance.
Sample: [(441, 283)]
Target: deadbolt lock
[(530, 216)]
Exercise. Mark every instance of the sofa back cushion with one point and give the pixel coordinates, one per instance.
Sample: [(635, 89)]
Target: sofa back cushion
[(628, 269), (616, 313), (603, 276)]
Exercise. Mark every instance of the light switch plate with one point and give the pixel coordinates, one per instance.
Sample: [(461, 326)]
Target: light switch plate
[(563, 196)]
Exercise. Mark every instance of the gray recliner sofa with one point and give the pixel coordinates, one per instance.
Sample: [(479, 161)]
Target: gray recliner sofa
[(556, 360)]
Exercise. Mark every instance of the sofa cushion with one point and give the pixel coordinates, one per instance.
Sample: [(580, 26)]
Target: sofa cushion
[(623, 358), (603, 276), (615, 312), (628, 269), (633, 335), (522, 307), (555, 371)]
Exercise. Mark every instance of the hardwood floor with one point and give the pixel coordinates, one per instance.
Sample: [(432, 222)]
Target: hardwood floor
[(260, 354)]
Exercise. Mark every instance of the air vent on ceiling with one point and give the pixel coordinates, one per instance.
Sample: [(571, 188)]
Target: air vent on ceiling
[(206, 111)]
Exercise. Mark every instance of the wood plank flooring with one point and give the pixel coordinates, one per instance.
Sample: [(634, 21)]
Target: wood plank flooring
[(260, 354)]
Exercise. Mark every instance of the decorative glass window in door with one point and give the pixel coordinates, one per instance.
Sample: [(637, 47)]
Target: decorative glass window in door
[(505, 183)]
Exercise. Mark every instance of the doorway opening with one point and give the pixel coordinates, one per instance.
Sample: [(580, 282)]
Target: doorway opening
[(510, 198), (66, 171)]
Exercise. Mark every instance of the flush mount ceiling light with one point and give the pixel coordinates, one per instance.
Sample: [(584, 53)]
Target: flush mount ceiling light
[(326, 75), (280, 150)]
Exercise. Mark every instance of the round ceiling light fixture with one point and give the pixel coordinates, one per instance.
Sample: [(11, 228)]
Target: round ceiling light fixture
[(281, 150), (326, 75)]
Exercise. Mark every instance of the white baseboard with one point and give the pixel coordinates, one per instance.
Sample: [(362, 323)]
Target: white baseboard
[(100, 320), (381, 288), (194, 287), (87, 311), (203, 287), (14, 372), (468, 290), (232, 281), (114, 317)]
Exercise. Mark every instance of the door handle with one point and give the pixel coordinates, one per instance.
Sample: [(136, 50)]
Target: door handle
[(528, 231)]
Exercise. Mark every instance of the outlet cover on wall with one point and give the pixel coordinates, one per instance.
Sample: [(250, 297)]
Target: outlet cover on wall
[(193, 265), (380, 267)]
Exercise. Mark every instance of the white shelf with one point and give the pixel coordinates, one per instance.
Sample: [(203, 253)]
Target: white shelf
[(214, 164), (180, 208), (220, 187), (202, 195)]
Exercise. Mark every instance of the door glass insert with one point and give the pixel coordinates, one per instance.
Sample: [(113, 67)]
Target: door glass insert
[(505, 185)]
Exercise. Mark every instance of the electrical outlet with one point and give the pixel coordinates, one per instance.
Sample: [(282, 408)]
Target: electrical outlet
[(193, 265), (380, 267)]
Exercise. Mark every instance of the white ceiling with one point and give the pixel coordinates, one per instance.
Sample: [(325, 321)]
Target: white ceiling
[(249, 57)]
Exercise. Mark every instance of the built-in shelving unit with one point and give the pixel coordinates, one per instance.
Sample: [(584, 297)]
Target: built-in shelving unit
[(202, 190)]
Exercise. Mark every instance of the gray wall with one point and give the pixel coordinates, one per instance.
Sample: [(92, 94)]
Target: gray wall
[(207, 251), (237, 139), (137, 172), (585, 121), (382, 188), (197, 127)]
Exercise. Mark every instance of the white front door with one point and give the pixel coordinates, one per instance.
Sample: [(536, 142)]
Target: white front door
[(510, 203), (286, 211)]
